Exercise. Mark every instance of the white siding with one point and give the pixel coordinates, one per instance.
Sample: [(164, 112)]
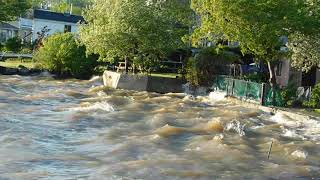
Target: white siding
[(54, 26)]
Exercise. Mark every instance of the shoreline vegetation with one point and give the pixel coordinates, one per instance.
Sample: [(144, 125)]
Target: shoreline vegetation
[(26, 67), (18, 66)]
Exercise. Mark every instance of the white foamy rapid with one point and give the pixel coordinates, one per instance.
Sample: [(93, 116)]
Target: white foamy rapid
[(237, 127), (217, 96), (95, 78), (102, 106), (297, 127), (299, 154)]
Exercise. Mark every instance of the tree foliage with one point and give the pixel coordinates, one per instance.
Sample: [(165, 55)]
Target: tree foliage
[(209, 62), (315, 97), (63, 55), (11, 9), (305, 51), (13, 44), (256, 25), (140, 28), (63, 6)]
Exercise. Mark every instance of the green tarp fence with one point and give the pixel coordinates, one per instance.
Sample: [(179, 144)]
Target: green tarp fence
[(246, 90)]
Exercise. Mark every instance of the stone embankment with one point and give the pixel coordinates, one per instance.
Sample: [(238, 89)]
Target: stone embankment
[(23, 71)]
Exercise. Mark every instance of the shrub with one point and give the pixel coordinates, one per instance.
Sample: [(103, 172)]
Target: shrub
[(200, 70), (63, 55), (289, 96), (315, 97), (256, 77), (26, 50), (13, 44)]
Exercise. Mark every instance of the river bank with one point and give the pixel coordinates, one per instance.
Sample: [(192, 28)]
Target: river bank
[(23, 71)]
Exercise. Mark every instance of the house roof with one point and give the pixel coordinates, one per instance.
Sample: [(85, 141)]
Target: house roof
[(54, 16), (7, 26)]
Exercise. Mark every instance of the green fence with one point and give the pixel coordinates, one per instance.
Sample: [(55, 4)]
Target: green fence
[(246, 90), (241, 89)]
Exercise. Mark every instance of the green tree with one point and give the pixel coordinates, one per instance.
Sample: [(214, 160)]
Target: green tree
[(305, 51), (63, 6), (63, 55), (11, 9), (128, 29), (257, 25)]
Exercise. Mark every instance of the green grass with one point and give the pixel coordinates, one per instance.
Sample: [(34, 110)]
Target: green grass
[(15, 63)]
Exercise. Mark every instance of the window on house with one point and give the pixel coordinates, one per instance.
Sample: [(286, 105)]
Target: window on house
[(67, 28)]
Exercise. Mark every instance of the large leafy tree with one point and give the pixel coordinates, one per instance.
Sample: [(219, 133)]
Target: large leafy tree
[(63, 6), (140, 29), (257, 25), (305, 50), (11, 9)]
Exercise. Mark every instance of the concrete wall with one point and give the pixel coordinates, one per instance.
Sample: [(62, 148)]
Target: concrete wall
[(142, 83), (133, 82), (111, 79), (164, 85)]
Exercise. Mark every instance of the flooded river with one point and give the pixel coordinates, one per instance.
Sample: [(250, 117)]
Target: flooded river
[(54, 129)]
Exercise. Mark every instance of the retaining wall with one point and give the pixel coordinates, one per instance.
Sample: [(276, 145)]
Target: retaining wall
[(142, 82)]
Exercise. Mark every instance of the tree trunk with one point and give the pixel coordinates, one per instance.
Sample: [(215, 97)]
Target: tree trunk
[(272, 80)]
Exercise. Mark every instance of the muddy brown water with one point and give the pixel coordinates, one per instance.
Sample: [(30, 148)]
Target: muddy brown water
[(54, 129)]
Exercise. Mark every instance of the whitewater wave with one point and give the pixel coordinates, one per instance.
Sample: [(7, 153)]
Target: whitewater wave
[(95, 78), (237, 127), (217, 96), (98, 106)]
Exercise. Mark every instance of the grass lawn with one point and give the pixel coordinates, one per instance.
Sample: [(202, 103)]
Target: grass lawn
[(15, 63)]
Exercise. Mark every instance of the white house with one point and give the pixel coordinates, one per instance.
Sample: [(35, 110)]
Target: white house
[(7, 31), (28, 27), (55, 22), (24, 26)]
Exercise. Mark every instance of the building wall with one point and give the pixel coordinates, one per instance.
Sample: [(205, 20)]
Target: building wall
[(25, 32), (6, 34), (284, 76), (54, 26)]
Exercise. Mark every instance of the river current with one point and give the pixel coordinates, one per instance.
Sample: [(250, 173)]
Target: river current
[(71, 129)]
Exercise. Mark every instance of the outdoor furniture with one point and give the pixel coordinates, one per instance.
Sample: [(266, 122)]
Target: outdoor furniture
[(122, 67)]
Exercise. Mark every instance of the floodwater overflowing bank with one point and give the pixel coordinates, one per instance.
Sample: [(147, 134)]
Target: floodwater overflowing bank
[(53, 129)]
